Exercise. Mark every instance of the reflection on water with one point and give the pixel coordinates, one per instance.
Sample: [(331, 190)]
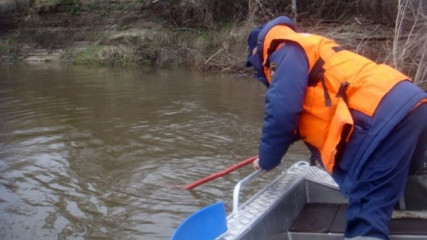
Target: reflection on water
[(99, 153)]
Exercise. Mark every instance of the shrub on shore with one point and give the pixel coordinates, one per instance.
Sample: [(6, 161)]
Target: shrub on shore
[(209, 34)]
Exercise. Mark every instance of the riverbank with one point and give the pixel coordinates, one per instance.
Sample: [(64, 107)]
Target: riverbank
[(162, 34)]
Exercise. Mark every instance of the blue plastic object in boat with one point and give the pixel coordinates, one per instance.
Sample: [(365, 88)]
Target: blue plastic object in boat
[(205, 224)]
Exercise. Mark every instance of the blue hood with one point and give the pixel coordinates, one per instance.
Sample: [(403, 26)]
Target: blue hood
[(256, 39)]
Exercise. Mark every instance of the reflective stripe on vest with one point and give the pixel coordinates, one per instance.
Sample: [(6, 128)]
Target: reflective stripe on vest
[(339, 80)]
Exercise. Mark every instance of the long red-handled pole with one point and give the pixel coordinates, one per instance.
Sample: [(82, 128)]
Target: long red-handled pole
[(220, 173)]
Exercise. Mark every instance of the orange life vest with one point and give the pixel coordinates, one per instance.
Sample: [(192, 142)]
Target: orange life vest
[(339, 80)]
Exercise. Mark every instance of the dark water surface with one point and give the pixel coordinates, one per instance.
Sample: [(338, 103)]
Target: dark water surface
[(91, 153)]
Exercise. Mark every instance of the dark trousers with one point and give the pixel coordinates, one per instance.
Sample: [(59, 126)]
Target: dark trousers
[(416, 186), (383, 178)]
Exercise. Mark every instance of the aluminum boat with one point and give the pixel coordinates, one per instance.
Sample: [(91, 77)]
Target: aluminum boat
[(301, 203)]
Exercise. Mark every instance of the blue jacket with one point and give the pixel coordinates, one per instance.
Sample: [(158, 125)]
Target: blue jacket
[(284, 103)]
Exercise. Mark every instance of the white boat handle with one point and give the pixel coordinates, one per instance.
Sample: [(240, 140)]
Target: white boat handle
[(239, 185)]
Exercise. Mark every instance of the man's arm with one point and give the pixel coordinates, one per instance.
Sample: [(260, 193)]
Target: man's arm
[(283, 104)]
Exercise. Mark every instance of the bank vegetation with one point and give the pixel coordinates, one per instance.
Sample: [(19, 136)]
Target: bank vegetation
[(205, 35)]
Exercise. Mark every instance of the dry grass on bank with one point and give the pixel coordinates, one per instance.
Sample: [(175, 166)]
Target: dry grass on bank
[(221, 50), (211, 35), (402, 46)]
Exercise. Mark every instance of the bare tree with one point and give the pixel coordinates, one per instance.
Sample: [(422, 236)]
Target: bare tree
[(409, 51)]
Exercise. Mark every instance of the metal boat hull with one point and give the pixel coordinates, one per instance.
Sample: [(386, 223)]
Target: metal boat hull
[(302, 203), (275, 212)]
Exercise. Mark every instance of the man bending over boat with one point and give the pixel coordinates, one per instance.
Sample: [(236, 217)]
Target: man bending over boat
[(365, 123)]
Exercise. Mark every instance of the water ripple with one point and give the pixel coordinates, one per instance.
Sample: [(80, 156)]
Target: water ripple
[(95, 153)]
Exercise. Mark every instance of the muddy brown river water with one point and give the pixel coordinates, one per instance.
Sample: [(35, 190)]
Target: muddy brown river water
[(95, 153)]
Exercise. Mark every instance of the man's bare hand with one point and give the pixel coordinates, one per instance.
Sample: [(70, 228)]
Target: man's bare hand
[(256, 164)]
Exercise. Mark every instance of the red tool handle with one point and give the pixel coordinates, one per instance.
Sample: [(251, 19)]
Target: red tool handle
[(220, 173)]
